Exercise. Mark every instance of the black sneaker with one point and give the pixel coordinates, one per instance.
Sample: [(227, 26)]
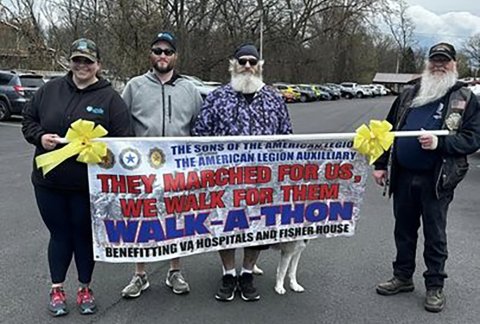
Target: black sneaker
[(435, 300), (226, 291), (395, 286), (247, 291)]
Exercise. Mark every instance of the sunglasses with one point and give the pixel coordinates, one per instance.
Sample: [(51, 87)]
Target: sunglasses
[(439, 59), (243, 61), (158, 51), (82, 60)]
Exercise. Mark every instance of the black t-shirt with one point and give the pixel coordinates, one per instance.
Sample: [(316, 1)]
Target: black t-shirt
[(249, 97)]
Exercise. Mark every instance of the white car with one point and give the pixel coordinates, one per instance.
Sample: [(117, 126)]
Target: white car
[(376, 91), (381, 89), (369, 90), (356, 90)]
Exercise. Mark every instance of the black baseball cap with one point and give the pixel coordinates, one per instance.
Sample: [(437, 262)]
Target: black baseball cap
[(443, 49), (165, 36)]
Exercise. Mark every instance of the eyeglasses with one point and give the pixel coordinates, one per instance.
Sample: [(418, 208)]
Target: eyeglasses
[(243, 61), (158, 51), (82, 60)]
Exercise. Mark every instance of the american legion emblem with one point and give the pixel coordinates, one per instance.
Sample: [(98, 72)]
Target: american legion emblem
[(108, 161), (453, 121), (130, 158), (156, 158)]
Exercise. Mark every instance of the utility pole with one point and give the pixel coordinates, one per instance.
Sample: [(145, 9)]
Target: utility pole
[(398, 64), (261, 35), (260, 5)]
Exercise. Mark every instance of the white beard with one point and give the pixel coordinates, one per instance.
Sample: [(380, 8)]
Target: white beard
[(434, 86), (246, 82)]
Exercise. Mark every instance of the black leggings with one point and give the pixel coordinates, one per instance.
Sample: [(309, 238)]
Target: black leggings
[(67, 216)]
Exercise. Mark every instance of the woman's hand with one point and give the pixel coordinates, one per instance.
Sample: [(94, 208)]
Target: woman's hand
[(50, 141), (380, 177)]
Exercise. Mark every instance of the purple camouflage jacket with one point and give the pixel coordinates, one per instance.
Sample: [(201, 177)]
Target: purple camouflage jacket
[(226, 112)]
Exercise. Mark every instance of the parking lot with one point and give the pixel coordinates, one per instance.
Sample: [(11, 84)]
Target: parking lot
[(339, 274)]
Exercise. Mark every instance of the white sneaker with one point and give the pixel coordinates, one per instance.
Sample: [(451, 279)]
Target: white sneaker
[(138, 284), (176, 281)]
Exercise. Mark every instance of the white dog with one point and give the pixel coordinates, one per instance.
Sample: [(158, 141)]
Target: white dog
[(290, 253)]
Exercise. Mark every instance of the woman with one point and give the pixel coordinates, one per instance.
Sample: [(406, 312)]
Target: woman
[(62, 195)]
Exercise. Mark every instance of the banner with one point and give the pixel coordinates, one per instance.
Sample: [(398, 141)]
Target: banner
[(157, 198)]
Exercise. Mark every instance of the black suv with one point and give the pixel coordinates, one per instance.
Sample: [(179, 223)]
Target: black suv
[(16, 89)]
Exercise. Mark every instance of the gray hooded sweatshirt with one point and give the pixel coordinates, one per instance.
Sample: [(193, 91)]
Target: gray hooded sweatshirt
[(160, 109)]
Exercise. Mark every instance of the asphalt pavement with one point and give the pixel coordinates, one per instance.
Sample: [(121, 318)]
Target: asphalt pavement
[(339, 274)]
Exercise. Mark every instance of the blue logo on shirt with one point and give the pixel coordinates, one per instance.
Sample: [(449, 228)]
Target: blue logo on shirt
[(95, 110), (438, 112)]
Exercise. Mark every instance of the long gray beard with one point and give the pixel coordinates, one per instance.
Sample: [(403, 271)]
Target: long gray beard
[(434, 87), (246, 83)]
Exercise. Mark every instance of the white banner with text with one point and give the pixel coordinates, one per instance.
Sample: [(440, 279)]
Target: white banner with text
[(158, 199)]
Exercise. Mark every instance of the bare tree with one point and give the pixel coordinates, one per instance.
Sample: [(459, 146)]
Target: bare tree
[(402, 28), (303, 40), (471, 48), (24, 18)]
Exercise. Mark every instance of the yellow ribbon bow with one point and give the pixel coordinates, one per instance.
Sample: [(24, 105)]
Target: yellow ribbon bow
[(79, 136), (374, 139)]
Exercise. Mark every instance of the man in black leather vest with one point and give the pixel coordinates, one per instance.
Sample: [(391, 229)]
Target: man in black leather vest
[(424, 171)]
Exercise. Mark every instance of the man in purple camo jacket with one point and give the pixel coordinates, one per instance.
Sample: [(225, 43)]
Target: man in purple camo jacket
[(245, 106)]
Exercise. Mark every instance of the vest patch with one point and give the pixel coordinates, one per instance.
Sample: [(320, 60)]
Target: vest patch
[(453, 121)]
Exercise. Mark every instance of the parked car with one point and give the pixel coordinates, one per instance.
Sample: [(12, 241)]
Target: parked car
[(334, 93), (353, 89), (373, 91), (284, 88), (286, 95), (203, 88), (344, 92), (382, 89), (324, 94), (16, 89), (306, 93), (319, 94), (310, 87), (333, 86)]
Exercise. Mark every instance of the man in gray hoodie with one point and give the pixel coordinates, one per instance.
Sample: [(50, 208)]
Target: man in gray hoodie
[(162, 103)]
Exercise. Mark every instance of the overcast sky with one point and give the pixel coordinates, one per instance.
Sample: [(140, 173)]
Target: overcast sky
[(441, 20), (444, 6)]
